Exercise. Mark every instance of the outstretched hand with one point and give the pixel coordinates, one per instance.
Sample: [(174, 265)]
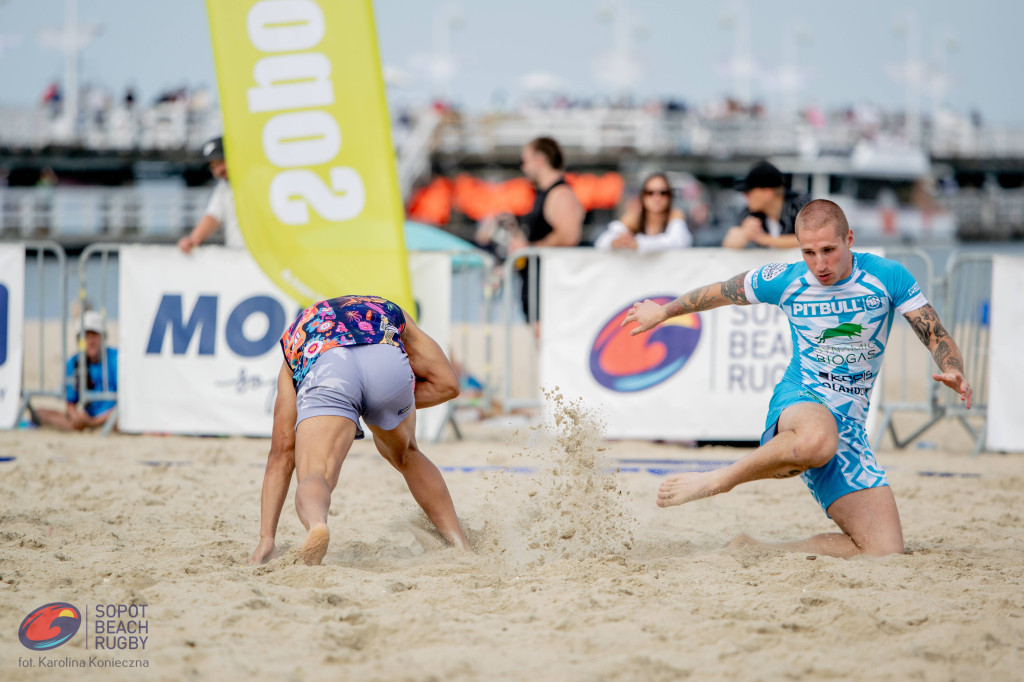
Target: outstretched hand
[(958, 383), (647, 314)]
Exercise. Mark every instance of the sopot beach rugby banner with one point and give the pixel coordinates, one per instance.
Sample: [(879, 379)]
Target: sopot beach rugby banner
[(704, 376), (308, 143)]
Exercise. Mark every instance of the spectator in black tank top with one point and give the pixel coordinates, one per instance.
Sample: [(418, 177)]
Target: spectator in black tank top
[(557, 215)]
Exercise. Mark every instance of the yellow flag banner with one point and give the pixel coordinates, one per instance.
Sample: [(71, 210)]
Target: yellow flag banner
[(308, 144)]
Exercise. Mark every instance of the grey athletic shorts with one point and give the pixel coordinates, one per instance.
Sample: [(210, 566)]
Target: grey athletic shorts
[(374, 382)]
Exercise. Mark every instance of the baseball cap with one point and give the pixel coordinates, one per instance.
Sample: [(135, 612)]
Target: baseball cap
[(762, 174), (213, 150), (92, 321)]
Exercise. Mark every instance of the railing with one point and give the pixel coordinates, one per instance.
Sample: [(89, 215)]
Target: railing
[(103, 252), (178, 125), (963, 300), (35, 255), (905, 384), (84, 214), (611, 130)]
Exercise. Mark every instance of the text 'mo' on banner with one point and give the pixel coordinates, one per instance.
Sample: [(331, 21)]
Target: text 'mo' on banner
[(308, 143)]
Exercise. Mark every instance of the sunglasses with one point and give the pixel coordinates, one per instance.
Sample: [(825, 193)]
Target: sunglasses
[(658, 192)]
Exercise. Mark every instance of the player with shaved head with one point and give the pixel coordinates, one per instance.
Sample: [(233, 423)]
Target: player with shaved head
[(840, 305)]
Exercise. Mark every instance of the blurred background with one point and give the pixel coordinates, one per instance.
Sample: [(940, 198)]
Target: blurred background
[(906, 113)]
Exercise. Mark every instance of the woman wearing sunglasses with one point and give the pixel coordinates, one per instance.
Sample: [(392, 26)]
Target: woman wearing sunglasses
[(657, 226)]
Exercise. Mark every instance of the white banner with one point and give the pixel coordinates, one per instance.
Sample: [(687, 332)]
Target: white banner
[(199, 348), (707, 376), (1006, 363), (431, 275), (12, 331)]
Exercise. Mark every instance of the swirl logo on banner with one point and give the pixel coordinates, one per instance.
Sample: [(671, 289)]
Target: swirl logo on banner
[(625, 363)]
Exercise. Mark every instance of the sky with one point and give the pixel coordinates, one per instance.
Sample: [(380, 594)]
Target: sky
[(846, 53)]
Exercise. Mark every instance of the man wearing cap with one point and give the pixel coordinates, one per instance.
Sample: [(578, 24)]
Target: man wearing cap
[(77, 417), (221, 209), (770, 219)]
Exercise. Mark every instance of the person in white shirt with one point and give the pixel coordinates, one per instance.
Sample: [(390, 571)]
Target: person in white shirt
[(656, 227), (221, 209)]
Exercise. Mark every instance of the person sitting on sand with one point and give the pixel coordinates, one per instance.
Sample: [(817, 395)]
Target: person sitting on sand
[(95, 413), (345, 358), (840, 305)]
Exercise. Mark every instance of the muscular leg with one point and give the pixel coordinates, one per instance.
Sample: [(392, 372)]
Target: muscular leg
[(398, 446), (870, 523), (807, 438), (280, 466), (321, 444)]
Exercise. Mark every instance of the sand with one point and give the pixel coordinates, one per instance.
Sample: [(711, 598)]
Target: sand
[(577, 574)]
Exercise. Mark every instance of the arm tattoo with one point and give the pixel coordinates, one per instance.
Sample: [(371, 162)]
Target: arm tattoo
[(928, 327), (947, 358), (734, 290), (791, 474), (926, 324), (705, 298)]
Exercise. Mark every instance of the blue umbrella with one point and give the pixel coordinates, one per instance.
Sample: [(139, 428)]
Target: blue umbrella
[(422, 237)]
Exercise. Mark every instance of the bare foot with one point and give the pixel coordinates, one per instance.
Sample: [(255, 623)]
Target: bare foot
[(315, 546), (683, 488), (263, 552)]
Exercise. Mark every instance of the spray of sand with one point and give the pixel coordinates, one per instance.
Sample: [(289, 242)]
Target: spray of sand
[(558, 500)]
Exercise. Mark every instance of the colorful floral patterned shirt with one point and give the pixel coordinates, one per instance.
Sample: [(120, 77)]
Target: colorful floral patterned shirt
[(336, 322)]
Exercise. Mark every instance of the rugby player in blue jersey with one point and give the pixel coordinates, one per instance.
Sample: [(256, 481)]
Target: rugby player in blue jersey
[(840, 306)]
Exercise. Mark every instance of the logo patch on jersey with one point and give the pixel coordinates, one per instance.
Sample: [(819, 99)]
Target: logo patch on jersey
[(772, 270), (836, 306), (846, 330)]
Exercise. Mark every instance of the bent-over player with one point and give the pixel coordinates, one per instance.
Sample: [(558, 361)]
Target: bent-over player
[(345, 358)]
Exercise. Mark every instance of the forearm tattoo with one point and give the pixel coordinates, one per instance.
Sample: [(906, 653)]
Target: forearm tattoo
[(706, 298), (928, 327), (734, 290), (947, 357)]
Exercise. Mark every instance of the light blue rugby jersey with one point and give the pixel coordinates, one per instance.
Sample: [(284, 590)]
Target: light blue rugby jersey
[(840, 331)]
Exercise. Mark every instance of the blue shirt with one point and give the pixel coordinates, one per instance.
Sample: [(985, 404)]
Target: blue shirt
[(94, 377), (839, 332)]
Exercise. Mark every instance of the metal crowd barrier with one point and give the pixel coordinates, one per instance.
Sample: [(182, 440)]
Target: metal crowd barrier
[(103, 251), (967, 317), (530, 257), (963, 301), (39, 249), (906, 384)]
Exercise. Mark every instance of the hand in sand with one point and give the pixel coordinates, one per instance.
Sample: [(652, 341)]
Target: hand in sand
[(958, 383), (647, 314)]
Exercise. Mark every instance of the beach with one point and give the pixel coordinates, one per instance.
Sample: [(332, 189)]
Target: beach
[(576, 574)]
